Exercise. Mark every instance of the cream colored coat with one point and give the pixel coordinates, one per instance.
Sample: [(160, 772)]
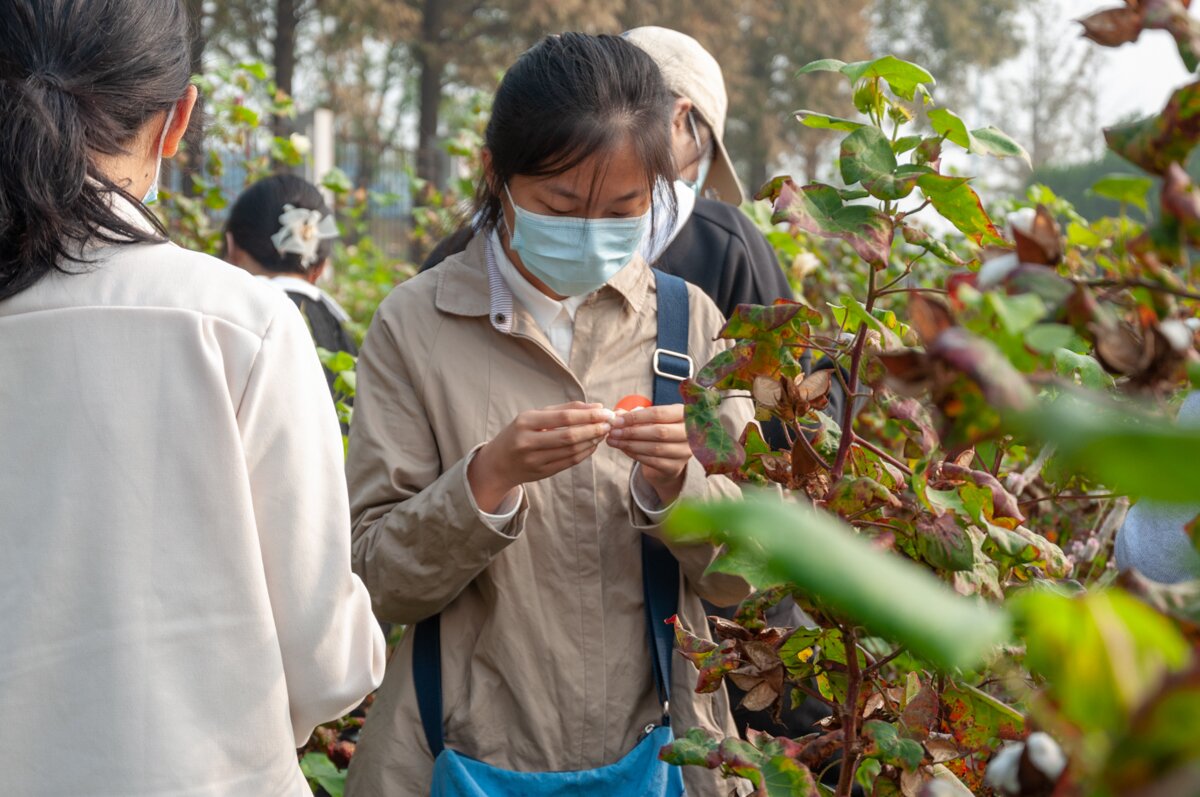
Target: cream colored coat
[(546, 663), (177, 605)]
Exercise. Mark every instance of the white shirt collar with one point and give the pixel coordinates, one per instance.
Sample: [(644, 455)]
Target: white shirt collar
[(544, 309), (291, 284)]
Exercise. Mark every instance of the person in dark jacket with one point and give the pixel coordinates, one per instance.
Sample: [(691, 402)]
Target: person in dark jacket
[(280, 229)]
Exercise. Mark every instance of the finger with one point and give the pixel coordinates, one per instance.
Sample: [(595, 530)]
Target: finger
[(539, 420), (565, 437), (661, 432), (666, 413), (574, 405), (550, 455), (563, 463), (679, 452)]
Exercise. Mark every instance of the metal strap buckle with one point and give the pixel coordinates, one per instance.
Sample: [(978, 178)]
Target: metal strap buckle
[(658, 364)]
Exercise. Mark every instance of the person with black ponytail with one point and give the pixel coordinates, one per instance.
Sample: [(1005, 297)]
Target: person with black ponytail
[(281, 229), (179, 610)]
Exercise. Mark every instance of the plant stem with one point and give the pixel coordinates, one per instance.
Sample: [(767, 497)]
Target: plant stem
[(877, 666), (879, 452), (1061, 497), (1148, 285), (850, 712)]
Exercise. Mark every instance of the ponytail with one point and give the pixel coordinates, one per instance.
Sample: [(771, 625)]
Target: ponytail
[(77, 78)]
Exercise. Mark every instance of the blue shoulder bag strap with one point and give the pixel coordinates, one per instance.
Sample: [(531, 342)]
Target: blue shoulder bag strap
[(660, 571)]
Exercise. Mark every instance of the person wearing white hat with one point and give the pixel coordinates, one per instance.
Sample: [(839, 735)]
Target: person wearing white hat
[(712, 243)]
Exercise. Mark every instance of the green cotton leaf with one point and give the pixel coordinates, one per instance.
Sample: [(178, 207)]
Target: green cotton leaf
[(787, 777), (743, 758), (1146, 457), (712, 445), (696, 749), (244, 116), (903, 77), (892, 597), (867, 158), (1128, 189), (823, 65), (1016, 313), (997, 144), (890, 747), (851, 315), (905, 144), (1081, 236), (1155, 143), (821, 121), (935, 246), (977, 719), (948, 125), (1049, 338), (337, 181), (1084, 367), (256, 68), (798, 653), (958, 203), (819, 209), (1102, 652), (318, 769)]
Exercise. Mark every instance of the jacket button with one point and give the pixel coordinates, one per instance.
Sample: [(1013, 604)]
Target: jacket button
[(500, 318)]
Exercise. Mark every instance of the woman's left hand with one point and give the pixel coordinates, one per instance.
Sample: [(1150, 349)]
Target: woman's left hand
[(656, 438)]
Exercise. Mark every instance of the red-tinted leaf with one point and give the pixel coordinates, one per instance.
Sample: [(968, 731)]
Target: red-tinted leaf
[(731, 369), (1004, 505), (1041, 243), (852, 496), (929, 317), (698, 749), (1172, 16), (819, 209), (783, 321), (1004, 387), (920, 715), (1113, 26), (1181, 199), (712, 445), (976, 719), (712, 661), (1155, 143), (944, 544)]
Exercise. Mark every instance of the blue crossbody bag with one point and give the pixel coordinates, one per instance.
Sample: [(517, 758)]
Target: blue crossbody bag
[(639, 772)]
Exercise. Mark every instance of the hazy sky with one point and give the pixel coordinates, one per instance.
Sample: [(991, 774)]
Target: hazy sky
[(1137, 77)]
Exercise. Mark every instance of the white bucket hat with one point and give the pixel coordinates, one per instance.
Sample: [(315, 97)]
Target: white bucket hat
[(690, 71)]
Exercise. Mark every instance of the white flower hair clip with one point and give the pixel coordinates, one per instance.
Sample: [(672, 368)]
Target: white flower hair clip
[(302, 233)]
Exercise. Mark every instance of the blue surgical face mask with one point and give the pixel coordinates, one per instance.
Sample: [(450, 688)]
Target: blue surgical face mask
[(152, 193), (574, 256)]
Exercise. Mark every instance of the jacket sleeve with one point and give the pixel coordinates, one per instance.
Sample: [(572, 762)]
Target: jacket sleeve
[(331, 647), (419, 538)]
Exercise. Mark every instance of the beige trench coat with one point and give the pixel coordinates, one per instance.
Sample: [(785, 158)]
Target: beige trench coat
[(545, 659)]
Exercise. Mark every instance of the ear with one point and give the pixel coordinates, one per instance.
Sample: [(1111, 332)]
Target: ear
[(315, 272), (489, 173), (233, 255), (679, 116), (180, 122)]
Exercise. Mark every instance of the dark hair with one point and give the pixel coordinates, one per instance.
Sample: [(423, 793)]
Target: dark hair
[(255, 218), (77, 78), (570, 97)]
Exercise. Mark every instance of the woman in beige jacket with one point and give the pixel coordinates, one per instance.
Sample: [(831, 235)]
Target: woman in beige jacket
[(490, 484), (178, 610)]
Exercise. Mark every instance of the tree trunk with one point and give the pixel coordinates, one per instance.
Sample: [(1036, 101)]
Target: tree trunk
[(287, 20), (431, 64)]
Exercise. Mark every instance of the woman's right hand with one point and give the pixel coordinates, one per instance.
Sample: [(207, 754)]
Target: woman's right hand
[(536, 445)]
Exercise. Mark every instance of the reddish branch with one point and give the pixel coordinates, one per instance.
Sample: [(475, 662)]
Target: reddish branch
[(850, 745)]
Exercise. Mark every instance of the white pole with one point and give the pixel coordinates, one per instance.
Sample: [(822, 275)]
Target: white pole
[(322, 149)]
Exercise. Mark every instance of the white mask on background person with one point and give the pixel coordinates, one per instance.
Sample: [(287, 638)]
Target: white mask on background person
[(705, 162), (152, 193)]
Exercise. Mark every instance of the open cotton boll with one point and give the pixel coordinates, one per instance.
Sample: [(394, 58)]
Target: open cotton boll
[(1004, 770), (1022, 220), (1045, 755)]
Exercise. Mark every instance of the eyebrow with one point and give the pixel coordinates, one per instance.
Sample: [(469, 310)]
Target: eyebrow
[(568, 194)]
